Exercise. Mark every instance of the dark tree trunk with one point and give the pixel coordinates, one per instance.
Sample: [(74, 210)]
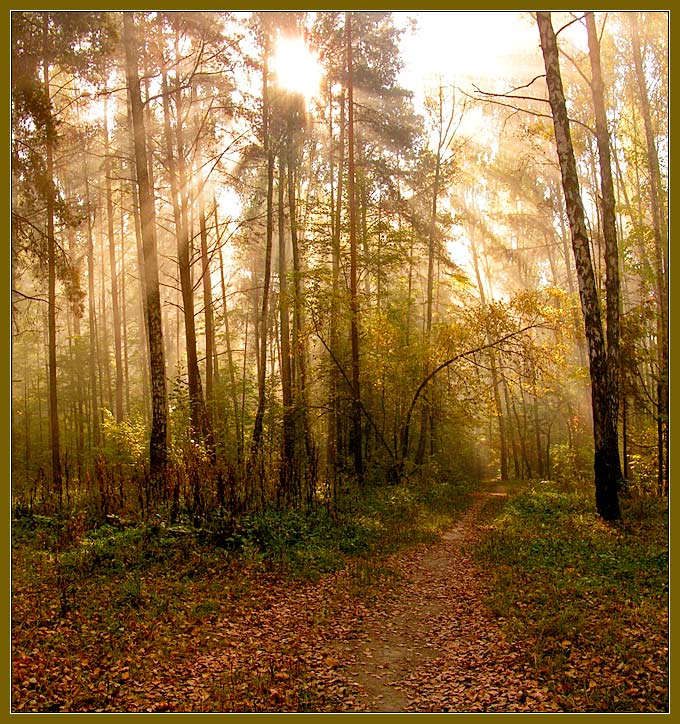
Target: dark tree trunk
[(287, 453), (230, 359), (256, 441), (299, 345), (607, 465), (356, 436), (159, 401), (335, 447), (199, 418), (210, 358), (612, 284), (115, 304), (51, 278), (502, 438), (92, 320)]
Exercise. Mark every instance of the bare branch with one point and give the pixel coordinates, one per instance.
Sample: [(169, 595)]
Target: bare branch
[(444, 365)]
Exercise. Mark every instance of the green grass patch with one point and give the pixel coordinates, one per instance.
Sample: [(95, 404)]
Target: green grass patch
[(588, 600)]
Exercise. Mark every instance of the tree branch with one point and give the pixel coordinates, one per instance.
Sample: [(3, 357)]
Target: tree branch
[(349, 382), (444, 365)]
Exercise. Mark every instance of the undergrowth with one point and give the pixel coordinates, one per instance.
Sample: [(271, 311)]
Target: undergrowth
[(588, 599), (291, 543), (94, 608)]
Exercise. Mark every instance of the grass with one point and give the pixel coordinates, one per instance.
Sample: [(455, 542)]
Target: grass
[(588, 600), (97, 610)]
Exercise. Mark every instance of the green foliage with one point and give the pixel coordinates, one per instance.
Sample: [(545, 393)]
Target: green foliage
[(565, 467), (301, 544), (113, 549), (126, 441), (570, 585)]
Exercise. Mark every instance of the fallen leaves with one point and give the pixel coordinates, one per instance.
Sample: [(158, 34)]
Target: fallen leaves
[(241, 640)]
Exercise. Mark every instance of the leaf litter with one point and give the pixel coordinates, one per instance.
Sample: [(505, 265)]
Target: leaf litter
[(415, 636)]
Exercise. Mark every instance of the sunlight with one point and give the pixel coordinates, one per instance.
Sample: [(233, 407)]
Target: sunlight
[(297, 67)]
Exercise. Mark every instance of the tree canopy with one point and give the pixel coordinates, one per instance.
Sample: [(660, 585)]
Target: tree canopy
[(229, 295)]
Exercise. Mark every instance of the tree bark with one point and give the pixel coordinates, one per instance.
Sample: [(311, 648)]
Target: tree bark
[(612, 283), (92, 316), (115, 305), (299, 344), (51, 274), (286, 476), (492, 363), (335, 447), (199, 418), (660, 227), (607, 465), (356, 436), (256, 440), (210, 357), (230, 360), (158, 451)]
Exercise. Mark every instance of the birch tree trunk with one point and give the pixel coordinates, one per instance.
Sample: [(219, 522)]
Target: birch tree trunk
[(607, 465)]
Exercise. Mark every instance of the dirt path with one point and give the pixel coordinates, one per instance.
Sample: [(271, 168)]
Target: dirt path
[(435, 648)]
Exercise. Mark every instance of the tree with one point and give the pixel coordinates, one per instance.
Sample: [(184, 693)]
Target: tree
[(356, 437), (158, 449), (607, 465), (660, 227), (44, 44), (269, 156)]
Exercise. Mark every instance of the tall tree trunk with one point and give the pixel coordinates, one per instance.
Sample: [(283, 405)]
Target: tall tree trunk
[(495, 382), (143, 336), (660, 227), (612, 284), (256, 441), (92, 321), (115, 306), (158, 450), (51, 274), (210, 358), (123, 305), (199, 418), (288, 442), (299, 345), (105, 358), (443, 139), (230, 360), (607, 465), (356, 436), (335, 447)]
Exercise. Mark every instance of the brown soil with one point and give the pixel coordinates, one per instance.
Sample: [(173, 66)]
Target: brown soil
[(435, 647)]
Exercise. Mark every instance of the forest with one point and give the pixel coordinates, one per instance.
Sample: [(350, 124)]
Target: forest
[(277, 317)]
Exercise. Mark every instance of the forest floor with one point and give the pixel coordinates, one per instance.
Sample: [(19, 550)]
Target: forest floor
[(415, 629), (434, 647)]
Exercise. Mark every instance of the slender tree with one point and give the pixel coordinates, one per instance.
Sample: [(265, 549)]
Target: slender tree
[(660, 230), (51, 266), (612, 283), (356, 436)]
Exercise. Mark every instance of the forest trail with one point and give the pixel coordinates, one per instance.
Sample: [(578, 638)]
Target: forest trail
[(435, 648)]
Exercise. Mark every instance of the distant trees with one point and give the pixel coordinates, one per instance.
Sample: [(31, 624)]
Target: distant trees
[(227, 296)]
